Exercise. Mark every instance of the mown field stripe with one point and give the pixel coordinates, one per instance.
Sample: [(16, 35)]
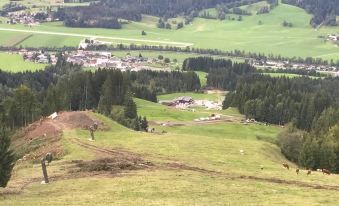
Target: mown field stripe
[(22, 40), (97, 36)]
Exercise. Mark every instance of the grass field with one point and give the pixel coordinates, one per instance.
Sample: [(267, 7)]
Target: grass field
[(288, 75), (15, 63), (195, 96), (270, 37), (203, 78), (216, 173)]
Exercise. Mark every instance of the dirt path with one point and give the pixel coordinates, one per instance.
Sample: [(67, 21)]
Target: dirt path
[(70, 120), (231, 176)]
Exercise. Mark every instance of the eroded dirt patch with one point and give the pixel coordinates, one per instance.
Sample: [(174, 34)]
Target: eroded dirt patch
[(112, 165), (71, 120), (44, 136)]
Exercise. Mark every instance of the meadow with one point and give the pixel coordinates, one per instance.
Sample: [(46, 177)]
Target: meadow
[(15, 63), (288, 75), (212, 172), (248, 35), (195, 96)]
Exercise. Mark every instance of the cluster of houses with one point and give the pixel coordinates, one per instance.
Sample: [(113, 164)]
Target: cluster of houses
[(287, 65), (186, 102), (92, 59), (99, 59), (27, 18), (38, 56), (92, 42)]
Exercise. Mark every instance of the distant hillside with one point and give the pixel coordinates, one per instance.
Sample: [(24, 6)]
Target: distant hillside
[(108, 13), (324, 11)]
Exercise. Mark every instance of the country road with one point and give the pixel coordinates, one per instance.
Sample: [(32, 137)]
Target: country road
[(179, 44)]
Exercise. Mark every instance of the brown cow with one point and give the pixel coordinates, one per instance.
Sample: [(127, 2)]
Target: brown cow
[(309, 172), (325, 171), (297, 171), (286, 166)]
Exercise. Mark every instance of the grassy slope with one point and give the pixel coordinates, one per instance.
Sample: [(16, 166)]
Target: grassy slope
[(254, 8), (15, 63), (203, 78), (288, 75), (271, 37), (195, 96), (213, 147)]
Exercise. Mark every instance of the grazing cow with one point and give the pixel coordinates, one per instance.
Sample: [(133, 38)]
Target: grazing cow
[(297, 171), (325, 171), (286, 166), (309, 172)]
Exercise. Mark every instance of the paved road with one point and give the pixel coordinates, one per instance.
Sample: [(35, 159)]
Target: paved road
[(179, 44)]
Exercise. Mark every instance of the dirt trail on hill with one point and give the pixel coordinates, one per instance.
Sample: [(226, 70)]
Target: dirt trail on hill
[(44, 136), (231, 176), (114, 162)]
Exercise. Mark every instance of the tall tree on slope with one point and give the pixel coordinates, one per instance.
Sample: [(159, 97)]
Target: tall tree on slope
[(7, 158)]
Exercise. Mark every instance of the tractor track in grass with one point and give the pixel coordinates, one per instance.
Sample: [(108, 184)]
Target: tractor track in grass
[(173, 165), (71, 120), (230, 176)]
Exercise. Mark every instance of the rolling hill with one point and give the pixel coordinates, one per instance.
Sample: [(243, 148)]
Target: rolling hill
[(190, 164)]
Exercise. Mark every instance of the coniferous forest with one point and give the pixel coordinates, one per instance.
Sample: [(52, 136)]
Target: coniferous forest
[(29, 95), (309, 106)]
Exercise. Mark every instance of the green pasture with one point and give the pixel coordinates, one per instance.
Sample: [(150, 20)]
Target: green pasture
[(214, 149), (247, 35), (195, 96), (15, 63)]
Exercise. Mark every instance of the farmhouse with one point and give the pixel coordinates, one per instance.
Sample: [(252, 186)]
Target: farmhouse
[(184, 100)]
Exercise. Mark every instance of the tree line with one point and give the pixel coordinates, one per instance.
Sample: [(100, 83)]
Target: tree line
[(310, 106), (106, 13), (26, 96), (222, 73), (324, 11)]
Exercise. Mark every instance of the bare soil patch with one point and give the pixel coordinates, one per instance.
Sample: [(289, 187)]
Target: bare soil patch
[(43, 136), (112, 165)]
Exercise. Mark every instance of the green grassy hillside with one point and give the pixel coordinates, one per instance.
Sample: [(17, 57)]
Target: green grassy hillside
[(193, 165)]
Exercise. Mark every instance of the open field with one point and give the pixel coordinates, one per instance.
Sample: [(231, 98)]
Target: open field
[(190, 165), (254, 8), (195, 96), (247, 35), (37, 4), (203, 78), (288, 75), (15, 63)]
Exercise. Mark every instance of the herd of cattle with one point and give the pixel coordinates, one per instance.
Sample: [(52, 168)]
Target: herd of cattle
[(324, 171)]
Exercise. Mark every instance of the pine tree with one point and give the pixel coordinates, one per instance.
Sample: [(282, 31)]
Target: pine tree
[(6, 158), (106, 98), (309, 153), (130, 107), (143, 124)]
